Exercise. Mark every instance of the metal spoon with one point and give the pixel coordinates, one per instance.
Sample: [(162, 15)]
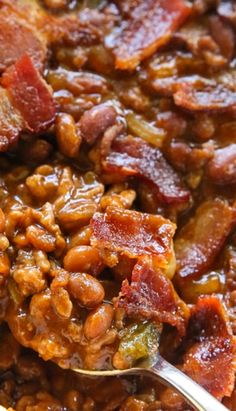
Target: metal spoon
[(159, 368)]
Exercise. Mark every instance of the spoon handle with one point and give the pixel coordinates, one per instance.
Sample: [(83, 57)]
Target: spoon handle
[(193, 393)]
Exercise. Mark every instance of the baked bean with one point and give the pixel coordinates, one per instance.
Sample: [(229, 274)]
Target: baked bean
[(81, 237), (61, 302), (24, 403), (72, 58), (55, 4), (99, 321), (40, 238), (68, 136), (89, 405), (83, 258), (134, 404), (2, 221), (6, 401), (41, 261), (86, 289), (171, 400), (73, 400), (95, 121), (20, 241), (4, 243), (121, 363), (4, 264), (29, 368), (124, 199), (77, 82)]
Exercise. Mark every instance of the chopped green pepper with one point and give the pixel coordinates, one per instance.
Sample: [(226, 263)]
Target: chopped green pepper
[(138, 341)]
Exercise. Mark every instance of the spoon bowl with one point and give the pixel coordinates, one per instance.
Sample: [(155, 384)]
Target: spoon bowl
[(196, 396)]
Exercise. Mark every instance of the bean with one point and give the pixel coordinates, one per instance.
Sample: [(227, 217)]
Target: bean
[(2, 221), (68, 136), (4, 264), (55, 4), (98, 321), (86, 289), (84, 259), (4, 243), (40, 238), (61, 303), (134, 404), (24, 402), (89, 405), (171, 399), (95, 122), (73, 400), (81, 237)]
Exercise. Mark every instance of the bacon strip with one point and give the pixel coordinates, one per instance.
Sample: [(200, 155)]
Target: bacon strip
[(26, 102), (17, 38), (211, 359), (168, 86), (151, 295), (133, 157), (215, 98), (11, 122), (222, 167), (201, 239), (133, 234), (149, 25), (30, 94)]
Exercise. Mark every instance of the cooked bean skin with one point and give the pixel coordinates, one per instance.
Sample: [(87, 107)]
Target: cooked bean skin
[(68, 137), (83, 259), (94, 122), (98, 321), (86, 289)]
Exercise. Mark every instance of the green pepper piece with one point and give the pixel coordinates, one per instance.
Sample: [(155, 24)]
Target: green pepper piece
[(138, 341)]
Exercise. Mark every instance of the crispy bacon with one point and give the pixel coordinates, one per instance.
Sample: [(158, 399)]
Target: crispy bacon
[(168, 86), (71, 31), (26, 102), (17, 38), (151, 295), (211, 359), (11, 122), (149, 25), (201, 239), (133, 157), (215, 98), (133, 234), (30, 94), (222, 167)]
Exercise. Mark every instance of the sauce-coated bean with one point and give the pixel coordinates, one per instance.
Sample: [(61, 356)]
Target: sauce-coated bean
[(99, 321), (86, 289)]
